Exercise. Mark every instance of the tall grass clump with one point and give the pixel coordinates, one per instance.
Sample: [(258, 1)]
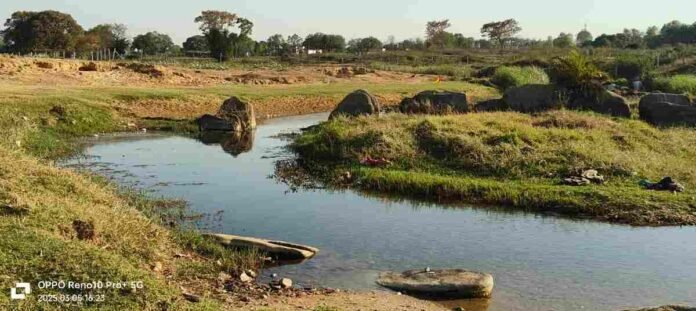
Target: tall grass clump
[(677, 84), (577, 74), (452, 70), (510, 76)]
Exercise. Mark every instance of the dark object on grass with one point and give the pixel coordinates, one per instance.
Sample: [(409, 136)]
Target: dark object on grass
[(667, 113), (585, 178), (435, 102), (58, 111), (83, 229), (355, 104), (666, 184), (491, 105), (605, 103)]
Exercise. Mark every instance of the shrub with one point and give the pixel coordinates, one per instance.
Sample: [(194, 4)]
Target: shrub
[(511, 76), (676, 84), (576, 73), (632, 66)]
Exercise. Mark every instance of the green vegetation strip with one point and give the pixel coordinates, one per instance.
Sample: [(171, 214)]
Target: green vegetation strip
[(516, 160)]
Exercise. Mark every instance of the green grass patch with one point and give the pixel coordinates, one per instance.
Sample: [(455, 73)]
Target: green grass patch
[(517, 160), (456, 71), (511, 76), (678, 84)]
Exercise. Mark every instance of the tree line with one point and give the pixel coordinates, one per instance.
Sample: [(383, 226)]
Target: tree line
[(225, 35)]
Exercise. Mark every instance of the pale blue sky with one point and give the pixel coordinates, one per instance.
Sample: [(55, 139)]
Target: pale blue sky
[(381, 18)]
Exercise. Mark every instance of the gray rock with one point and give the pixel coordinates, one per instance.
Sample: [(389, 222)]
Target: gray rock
[(606, 103), (533, 98), (435, 102), (277, 249), (492, 105), (212, 123), (235, 107), (677, 99), (357, 103), (667, 113), (441, 283)]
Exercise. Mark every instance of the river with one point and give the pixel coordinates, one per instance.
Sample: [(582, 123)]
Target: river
[(539, 262)]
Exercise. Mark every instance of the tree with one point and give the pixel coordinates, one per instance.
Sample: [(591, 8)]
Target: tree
[(294, 43), (196, 43), (110, 36), (500, 32), (153, 43), (324, 42), (564, 40), (215, 20), (369, 44), (276, 44), (435, 32), (217, 28), (583, 37), (46, 30)]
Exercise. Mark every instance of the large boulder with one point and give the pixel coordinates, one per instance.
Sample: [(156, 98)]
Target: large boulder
[(212, 123), (435, 102), (677, 99), (666, 113), (454, 283), (491, 105), (606, 103), (236, 108), (357, 103), (532, 98)]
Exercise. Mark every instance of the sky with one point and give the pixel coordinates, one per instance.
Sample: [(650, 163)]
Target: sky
[(403, 19)]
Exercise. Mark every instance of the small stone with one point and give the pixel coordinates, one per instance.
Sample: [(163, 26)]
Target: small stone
[(285, 283), (245, 278), (251, 273), (458, 309), (274, 275), (157, 267), (192, 297), (224, 277)]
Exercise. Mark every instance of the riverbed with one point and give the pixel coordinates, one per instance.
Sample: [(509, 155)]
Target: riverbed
[(539, 262)]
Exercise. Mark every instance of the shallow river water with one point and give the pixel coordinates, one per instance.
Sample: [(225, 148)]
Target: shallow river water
[(539, 262)]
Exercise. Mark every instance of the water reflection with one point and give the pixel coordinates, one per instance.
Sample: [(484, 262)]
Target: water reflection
[(234, 143)]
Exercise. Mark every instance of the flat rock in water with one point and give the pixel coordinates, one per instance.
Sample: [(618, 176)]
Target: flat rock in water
[(278, 249), (455, 283)]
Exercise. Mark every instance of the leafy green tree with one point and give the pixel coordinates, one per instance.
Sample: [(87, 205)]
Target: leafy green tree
[(500, 32), (46, 30), (196, 43), (217, 28), (325, 42), (369, 44), (564, 40), (153, 43), (276, 44), (436, 33), (110, 36), (294, 43)]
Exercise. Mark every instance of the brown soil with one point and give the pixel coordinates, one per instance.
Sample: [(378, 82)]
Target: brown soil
[(86, 73)]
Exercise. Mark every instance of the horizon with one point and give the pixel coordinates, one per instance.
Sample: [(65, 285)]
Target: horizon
[(406, 20)]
